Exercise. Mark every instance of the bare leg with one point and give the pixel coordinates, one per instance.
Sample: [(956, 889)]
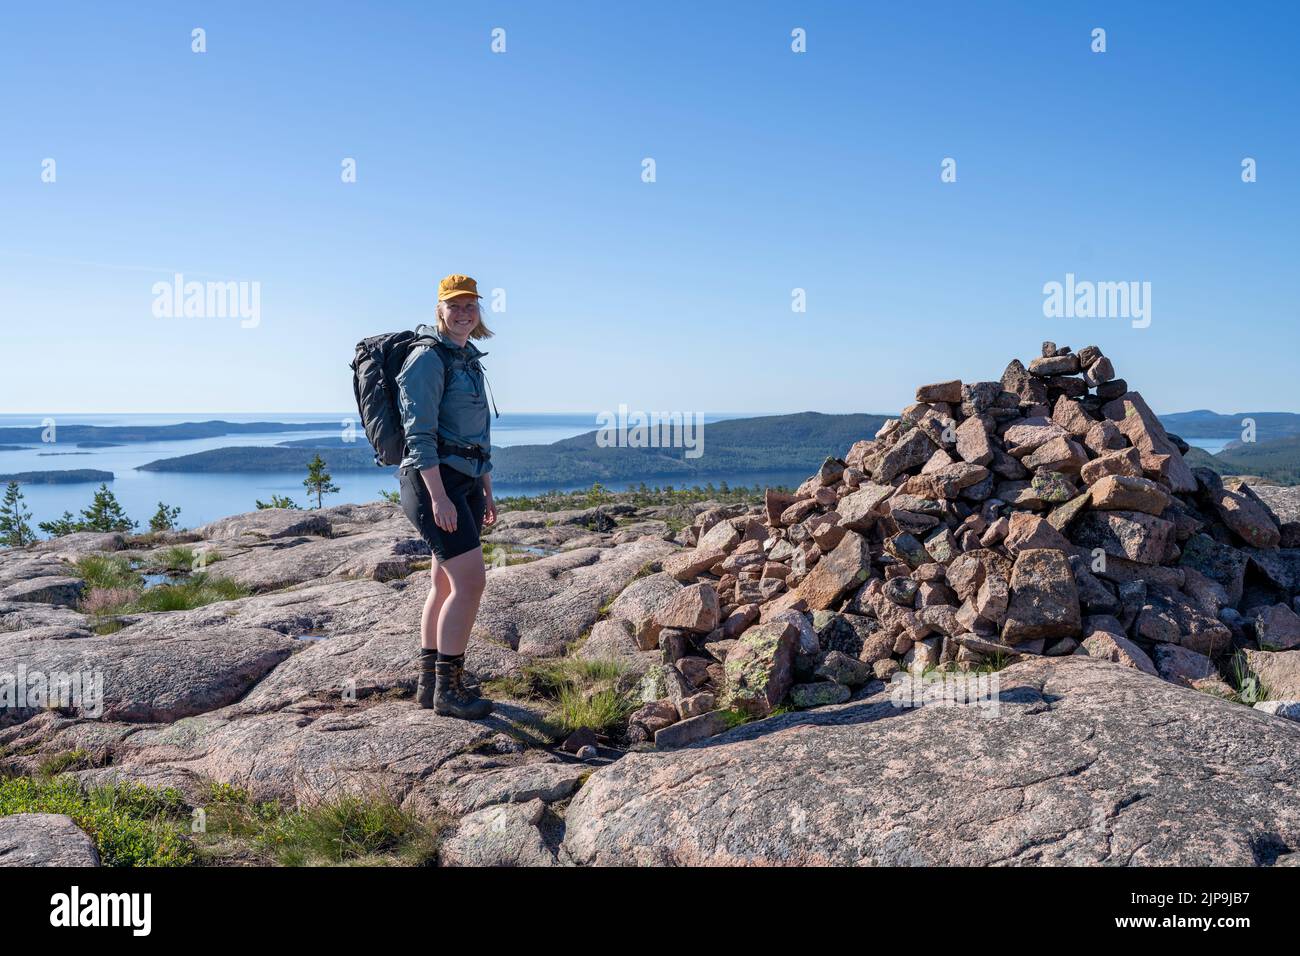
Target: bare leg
[(467, 577), (439, 590)]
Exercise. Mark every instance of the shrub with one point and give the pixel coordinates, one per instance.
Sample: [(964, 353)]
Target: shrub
[(278, 501), (104, 601), (130, 825)]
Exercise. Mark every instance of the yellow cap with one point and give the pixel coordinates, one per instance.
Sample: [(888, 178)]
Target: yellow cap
[(457, 285)]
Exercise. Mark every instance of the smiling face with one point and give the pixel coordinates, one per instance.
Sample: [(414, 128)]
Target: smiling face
[(459, 317)]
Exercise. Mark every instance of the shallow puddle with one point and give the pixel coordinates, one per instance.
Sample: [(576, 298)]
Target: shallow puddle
[(154, 580)]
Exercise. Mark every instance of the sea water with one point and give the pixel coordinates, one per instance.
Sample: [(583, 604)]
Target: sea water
[(205, 497)]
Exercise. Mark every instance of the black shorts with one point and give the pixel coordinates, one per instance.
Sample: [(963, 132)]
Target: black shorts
[(466, 494)]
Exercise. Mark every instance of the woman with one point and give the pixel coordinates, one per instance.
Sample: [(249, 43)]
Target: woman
[(446, 485)]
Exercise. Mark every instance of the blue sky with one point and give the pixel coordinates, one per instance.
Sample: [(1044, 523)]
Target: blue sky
[(775, 171)]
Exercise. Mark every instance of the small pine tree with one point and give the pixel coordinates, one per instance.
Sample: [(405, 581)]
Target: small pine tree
[(278, 501), (105, 514), (319, 481), (61, 526), (164, 519), (15, 528)]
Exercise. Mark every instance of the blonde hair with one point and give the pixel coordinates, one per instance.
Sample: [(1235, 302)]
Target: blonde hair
[(480, 331)]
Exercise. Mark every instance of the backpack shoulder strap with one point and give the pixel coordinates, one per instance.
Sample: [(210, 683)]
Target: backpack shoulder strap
[(444, 355), (449, 360)]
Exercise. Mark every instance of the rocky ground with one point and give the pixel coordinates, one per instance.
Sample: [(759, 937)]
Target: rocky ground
[(1012, 628)]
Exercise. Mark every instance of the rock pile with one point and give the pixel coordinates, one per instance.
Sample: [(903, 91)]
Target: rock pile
[(1041, 515)]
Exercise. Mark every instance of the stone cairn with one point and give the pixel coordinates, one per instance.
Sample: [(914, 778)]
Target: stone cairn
[(1048, 513)]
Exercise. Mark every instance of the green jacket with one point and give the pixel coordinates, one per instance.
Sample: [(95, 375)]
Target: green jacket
[(458, 415)]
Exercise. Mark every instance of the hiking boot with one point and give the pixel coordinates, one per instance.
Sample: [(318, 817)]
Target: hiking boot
[(424, 690), (451, 699), (468, 683)]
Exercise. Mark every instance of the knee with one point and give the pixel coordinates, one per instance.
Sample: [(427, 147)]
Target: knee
[(472, 584), (468, 579)]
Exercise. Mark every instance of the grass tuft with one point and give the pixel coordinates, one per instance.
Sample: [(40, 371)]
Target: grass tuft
[(56, 764), (601, 710), (581, 692), (181, 559), (347, 830), (114, 587), (105, 572), (350, 830), (198, 591), (1250, 691)]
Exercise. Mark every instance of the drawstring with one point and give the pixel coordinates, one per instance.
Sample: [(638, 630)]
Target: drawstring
[(467, 363), (489, 391)]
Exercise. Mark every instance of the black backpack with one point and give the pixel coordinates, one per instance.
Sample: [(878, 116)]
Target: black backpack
[(374, 382)]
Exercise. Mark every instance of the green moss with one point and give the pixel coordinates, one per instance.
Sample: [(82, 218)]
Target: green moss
[(734, 718)]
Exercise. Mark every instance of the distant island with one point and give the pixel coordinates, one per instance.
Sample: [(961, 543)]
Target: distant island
[(82, 434), (1202, 423), (735, 446), (1277, 460), (732, 447), (71, 477), (334, 441), (260, 458)]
